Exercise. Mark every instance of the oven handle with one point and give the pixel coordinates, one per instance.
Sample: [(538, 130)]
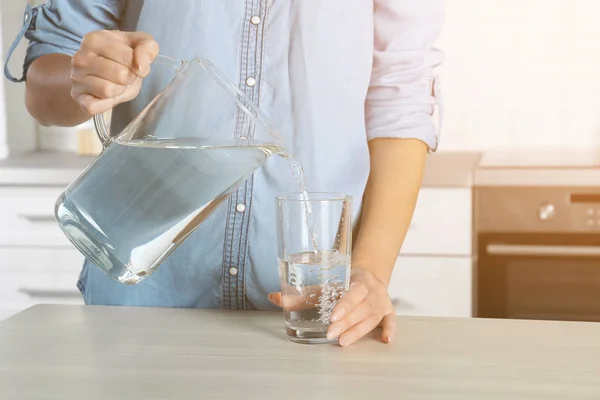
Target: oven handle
[(539, 250)]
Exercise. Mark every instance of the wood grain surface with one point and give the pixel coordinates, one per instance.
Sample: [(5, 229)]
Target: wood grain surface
[(87, 352)]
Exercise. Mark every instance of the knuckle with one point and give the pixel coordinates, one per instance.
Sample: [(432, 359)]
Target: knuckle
[(122, 75), (89, 40), (105, 91), (79, 60), (109, 90), (154, 48), (359, 286), (86, 106), (92, 39)]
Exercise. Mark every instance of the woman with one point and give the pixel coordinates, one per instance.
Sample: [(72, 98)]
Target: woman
[(349, 82)]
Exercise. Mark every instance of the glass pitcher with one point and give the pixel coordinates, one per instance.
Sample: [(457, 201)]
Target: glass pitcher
[(194, 144)]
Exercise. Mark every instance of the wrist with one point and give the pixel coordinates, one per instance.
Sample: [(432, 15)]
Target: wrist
[(382, 271)]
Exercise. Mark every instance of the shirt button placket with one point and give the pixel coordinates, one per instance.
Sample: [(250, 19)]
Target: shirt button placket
[(236, 251)]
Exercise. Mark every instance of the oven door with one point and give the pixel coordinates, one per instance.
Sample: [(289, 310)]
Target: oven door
[(539, 276)]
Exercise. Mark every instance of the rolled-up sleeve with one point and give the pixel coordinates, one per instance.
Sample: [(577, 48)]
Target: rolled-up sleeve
[(58, 26), (402, 95)]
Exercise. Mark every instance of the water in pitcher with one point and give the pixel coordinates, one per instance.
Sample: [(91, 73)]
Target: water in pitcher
[(154, 194), (312, 284)]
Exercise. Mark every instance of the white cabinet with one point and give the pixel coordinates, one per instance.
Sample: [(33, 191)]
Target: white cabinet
[(27, 217), (441, 224), (34, 275), (433, 274), (37, 263), (432, 286)]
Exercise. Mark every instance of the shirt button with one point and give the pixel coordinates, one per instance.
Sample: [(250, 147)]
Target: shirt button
[(255, 20), (250, 81), (233, 271), (240, 207)]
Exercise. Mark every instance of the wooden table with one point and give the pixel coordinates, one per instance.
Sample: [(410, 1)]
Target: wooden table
[(78, 352)]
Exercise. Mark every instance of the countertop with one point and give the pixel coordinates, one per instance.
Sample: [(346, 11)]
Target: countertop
[(42, 169), (92, 352), (567, 168), (443, 169), (450, 169)]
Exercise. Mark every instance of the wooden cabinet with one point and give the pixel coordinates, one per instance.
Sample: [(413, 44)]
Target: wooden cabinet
[(433, 274)]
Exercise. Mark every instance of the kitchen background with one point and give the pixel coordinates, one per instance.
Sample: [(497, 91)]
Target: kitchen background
[(519, 74), (520, 77)]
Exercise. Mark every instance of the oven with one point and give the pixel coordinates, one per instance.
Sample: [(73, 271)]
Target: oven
[(538, 253)]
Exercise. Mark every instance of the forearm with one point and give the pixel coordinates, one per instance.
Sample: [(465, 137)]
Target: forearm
[(389, 201), (48, 93)]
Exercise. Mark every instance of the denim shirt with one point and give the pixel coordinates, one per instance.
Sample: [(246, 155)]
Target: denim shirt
[(331, 74)]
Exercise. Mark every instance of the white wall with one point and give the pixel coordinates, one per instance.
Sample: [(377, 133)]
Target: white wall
[(21, 128), (518, 74), (3, 135), (521, 74)]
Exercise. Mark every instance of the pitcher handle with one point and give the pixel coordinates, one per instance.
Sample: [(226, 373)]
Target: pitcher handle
[(102, 128)]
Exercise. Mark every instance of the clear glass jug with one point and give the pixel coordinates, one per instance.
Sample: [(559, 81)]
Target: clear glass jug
[(194, 144)]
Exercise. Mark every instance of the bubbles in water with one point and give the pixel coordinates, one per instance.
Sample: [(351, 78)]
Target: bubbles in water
[(323, 284), (330, 295)]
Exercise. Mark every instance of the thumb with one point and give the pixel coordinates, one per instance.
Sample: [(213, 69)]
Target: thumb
[(275, 298), (145, 50), (143, 55), (296, 299)]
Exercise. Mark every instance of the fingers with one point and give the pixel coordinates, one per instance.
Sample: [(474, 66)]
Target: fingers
[(83, 65), (97, 87), (389, 328), (144, 54), (108, 68), (359, 314), (275, 298), (109, 45), (296, 298), (91, 104), (120, 47), (357, 331), (355, 295)]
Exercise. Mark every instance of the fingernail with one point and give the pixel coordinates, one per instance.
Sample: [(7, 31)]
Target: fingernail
[(333, 333), (337, 315), (344, 341), (388, 339), (144, 64)]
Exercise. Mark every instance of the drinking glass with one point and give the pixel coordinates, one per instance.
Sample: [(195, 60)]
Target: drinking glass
[(314, 233)]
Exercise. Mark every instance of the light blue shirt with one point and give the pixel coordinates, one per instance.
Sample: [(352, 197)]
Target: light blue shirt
[(331, 74)]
